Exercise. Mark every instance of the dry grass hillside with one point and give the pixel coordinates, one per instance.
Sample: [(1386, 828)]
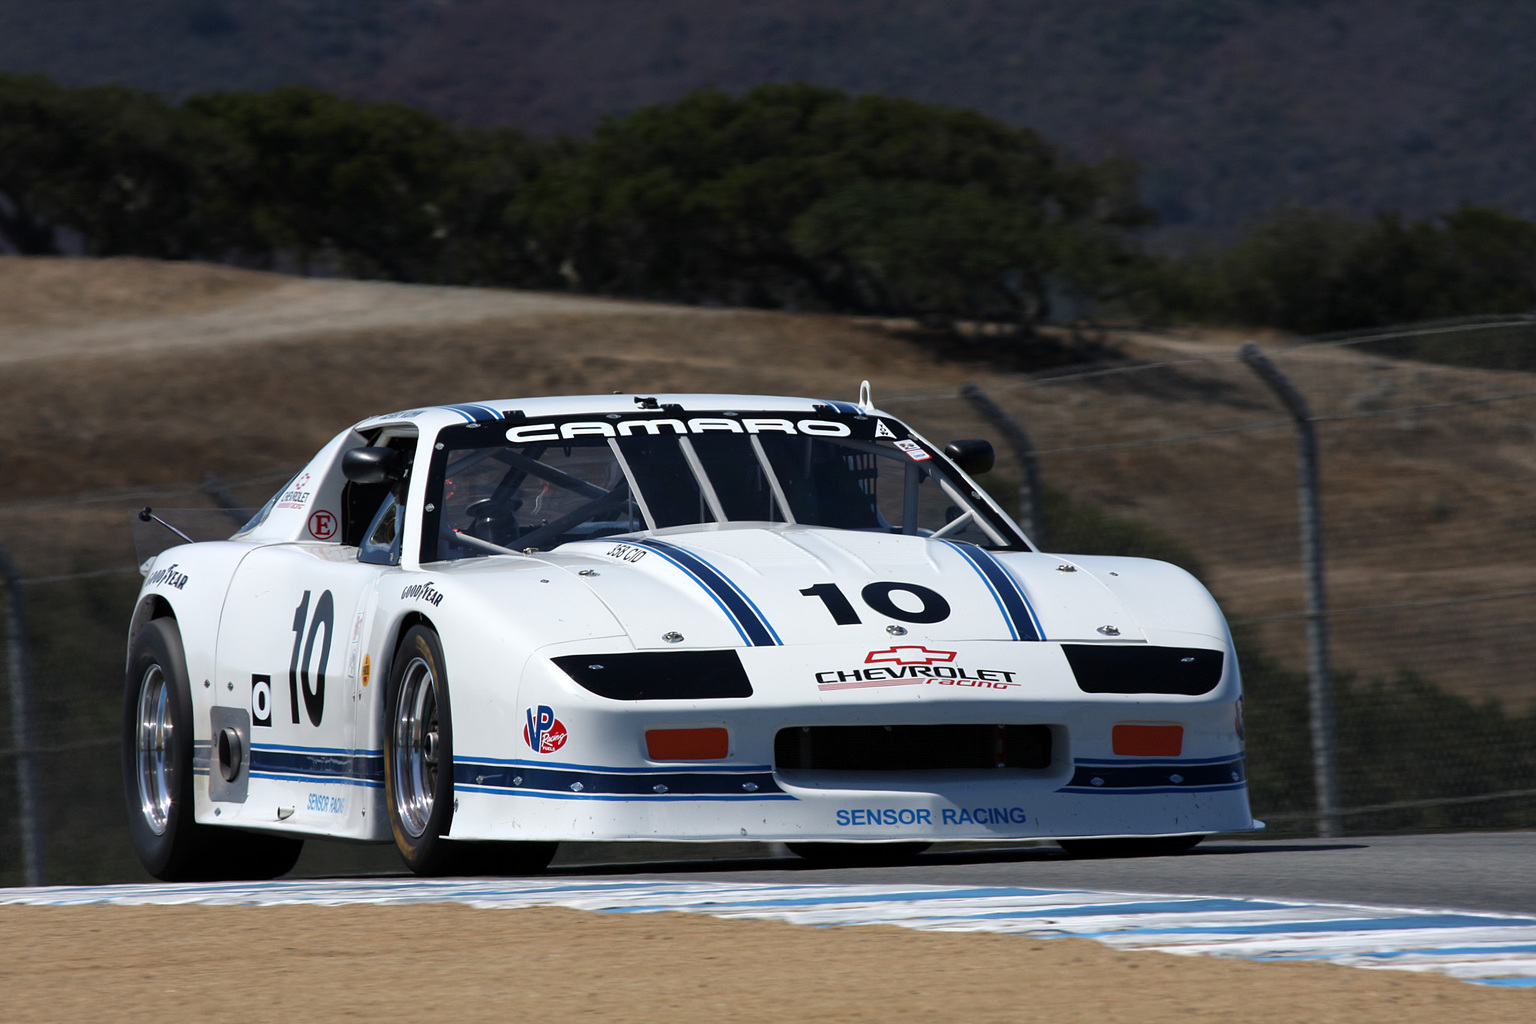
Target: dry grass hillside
[(126, 381)]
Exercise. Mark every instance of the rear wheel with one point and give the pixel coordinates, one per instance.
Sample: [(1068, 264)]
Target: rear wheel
[(1139, 846), (418, 772), (157, 776)]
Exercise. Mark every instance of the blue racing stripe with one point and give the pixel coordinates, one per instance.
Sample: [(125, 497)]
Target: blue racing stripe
[(846, 408), (700, 783), (744, 615), (523, 762), (1166, 777), (1120, 762), (328, 780), (474, 413), (364, 767), (1005, 590)]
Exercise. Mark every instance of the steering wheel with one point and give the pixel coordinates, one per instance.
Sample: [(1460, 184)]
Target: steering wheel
[(495, 521)]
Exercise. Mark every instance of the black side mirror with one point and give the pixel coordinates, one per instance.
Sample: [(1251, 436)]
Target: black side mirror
[(975, 455), (373, 465)]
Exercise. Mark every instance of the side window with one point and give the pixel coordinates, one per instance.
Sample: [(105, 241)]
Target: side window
[(266, 510), (360, 502), (381, 545)]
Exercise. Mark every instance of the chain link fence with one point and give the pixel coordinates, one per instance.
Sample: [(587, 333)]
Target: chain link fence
[(1172, 449)]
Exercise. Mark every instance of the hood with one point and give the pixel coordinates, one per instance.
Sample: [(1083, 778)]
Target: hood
[(738, 586)]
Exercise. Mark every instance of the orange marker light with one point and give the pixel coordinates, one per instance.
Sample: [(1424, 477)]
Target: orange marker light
[(1149, 740), (687, 744)]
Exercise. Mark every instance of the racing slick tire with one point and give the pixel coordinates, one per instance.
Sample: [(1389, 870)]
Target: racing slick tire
[(1141, 846), (857, 854), (157, 776), (418, 772)]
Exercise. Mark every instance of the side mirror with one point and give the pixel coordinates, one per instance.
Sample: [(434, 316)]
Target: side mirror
[(975, 455), (373, 465)]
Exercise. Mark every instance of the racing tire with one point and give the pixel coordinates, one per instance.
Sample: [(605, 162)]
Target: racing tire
[(418, 772), (1140, 846), (157, 776), (851, 855)]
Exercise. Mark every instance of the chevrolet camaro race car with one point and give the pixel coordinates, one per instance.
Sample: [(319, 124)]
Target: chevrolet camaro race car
[(478, 630)]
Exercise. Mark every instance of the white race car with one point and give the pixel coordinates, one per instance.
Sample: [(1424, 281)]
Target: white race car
[(478, 630)]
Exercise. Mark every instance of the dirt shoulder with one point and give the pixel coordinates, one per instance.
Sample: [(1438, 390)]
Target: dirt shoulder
[(447, 962), (68, 309)]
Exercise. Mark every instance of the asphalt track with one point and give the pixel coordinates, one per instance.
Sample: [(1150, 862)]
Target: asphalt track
[(1485, 871)]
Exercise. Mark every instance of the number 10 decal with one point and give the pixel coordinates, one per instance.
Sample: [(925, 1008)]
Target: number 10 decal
[(298, 671), (878, 596)]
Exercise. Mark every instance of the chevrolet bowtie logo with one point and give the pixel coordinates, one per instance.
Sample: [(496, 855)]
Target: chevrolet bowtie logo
[(909, 655)]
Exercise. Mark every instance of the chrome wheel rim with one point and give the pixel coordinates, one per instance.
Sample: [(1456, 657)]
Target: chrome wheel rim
[(153, 746), (416, 747)]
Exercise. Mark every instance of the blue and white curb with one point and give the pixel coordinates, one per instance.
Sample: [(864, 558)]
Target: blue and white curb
[(1494, 949)]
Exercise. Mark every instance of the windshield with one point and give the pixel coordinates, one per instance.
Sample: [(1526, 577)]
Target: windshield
[(536, 486)]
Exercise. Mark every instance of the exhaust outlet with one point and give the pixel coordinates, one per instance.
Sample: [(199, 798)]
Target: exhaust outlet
[(231, 753)]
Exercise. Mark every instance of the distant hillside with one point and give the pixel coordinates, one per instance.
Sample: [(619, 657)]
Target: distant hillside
[(1232, 107)]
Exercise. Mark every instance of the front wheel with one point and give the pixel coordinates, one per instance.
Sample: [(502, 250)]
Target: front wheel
[(418, 772), (1139, 846), (157, 776)]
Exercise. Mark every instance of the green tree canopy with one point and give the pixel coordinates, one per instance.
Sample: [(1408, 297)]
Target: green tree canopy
[(1311, 272), (375, 189), (120, 169), (799, 195)]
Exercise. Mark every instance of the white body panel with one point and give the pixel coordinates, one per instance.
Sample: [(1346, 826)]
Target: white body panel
[(934, 633)]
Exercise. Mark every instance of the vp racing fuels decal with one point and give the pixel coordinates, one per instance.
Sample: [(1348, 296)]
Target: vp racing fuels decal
[(543, 732)]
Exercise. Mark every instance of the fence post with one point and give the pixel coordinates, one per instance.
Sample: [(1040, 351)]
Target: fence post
[(19, 669), (1325, 770), (1029, 471)]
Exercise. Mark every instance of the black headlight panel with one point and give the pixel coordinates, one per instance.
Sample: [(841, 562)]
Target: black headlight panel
[(659, 675), (1190, 671)]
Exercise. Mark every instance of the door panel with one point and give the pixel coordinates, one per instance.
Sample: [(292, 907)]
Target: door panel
[(287, 653)]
